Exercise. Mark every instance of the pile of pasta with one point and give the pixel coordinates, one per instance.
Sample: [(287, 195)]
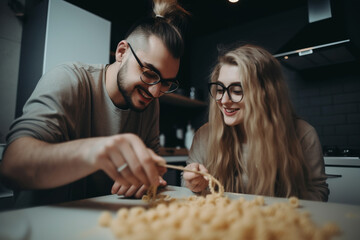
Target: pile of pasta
[(215, 216)]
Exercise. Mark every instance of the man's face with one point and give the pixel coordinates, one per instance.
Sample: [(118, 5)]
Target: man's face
[(137, 94)]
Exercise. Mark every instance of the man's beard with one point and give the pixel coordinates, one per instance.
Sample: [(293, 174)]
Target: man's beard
[(127, 95)]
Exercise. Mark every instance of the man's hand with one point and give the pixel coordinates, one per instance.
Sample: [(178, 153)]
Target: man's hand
[(195, 182), (141, 163), (30, 163), (133, 191)]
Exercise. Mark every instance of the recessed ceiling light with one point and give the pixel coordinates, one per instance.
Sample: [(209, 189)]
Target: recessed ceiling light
[(233, 1)]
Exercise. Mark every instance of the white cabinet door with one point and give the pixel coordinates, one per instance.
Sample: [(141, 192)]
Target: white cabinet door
[(344, 184), (73, 34)]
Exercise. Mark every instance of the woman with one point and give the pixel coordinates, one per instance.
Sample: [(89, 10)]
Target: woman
[(253, 142)]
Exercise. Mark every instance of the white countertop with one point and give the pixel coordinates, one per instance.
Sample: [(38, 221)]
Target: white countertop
[(79, 219), (342, 161)]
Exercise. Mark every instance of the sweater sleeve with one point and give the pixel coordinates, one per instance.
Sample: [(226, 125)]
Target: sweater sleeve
[(51, 112), (197, 153), (312, 150)]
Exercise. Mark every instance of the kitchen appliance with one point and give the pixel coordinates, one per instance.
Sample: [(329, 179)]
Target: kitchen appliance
[(335, 151), (330, 36)]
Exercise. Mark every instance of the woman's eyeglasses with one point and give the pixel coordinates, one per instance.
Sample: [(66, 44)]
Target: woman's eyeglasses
[(234, 91)]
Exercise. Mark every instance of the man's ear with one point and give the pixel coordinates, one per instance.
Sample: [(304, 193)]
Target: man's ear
[(121, 50)]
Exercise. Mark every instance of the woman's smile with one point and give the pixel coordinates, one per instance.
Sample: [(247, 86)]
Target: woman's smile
[(230, 111)]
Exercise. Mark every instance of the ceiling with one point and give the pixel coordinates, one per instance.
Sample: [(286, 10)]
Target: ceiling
[(208, 16)]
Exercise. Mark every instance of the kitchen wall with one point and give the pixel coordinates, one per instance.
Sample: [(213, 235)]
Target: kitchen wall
[(328, 97), (10, 42)]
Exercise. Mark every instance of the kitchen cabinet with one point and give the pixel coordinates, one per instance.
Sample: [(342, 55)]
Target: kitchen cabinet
[(343, 179), (56, 32), (181, 101)]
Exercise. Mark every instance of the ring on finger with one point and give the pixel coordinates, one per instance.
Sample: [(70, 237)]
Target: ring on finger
[(122, 167)]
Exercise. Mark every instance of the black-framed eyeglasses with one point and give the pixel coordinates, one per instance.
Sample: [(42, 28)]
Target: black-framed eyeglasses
[(152, 77), (234, 91)]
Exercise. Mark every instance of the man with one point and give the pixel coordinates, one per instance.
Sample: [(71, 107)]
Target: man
[(84, 122)]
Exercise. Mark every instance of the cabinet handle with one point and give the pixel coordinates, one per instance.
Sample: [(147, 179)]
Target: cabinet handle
[(333, 175)]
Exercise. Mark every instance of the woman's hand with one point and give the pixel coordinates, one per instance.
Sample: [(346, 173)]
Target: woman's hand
[(195, 182)]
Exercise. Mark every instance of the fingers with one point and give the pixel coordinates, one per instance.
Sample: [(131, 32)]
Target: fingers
[(116, 187), (132, 191), (125, 173), (141, 191), (195, 182), (162, 182), (142, 167), (111, 170), (190, 175), (129, 191), (146, 158), (121, 189), (161, 170), (128, 146), (110, 153), (141, 161), (203, 169), (159, 161), (196, 188), (135, 191)]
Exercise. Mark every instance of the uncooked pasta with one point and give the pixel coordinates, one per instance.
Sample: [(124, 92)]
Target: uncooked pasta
[(215, 217)]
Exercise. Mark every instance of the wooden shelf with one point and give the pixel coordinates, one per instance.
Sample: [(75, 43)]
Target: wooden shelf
[(181, 101), (166, 151)]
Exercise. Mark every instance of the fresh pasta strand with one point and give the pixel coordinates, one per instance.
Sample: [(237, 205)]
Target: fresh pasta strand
[(151, 195), (212, 181)]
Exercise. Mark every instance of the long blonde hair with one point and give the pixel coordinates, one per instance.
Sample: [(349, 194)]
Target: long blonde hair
[(275, 164)]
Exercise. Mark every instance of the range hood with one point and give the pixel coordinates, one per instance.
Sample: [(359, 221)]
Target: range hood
[(323, 41)]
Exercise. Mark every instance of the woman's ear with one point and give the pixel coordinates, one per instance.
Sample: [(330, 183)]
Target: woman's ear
[(121, 50)]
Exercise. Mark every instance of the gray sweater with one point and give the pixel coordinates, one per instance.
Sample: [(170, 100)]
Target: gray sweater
[(71, 102)]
